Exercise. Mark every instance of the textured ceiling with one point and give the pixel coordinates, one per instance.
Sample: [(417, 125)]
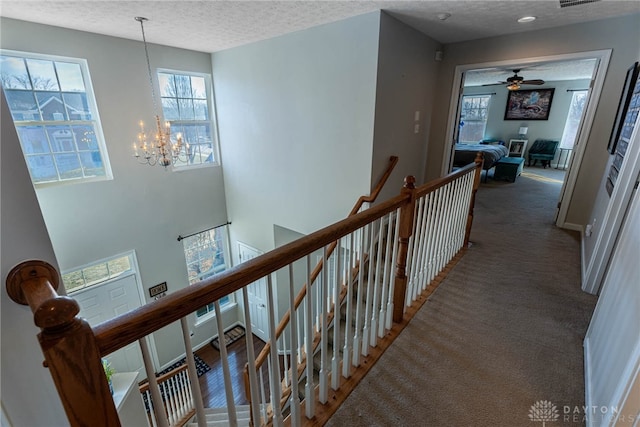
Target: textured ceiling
[(214, 25)]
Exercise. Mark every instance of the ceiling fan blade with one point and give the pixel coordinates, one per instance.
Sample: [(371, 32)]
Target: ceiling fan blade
[(494, 84), (532, 82)]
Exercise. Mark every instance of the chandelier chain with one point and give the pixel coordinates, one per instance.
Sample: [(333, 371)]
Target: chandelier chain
[(146, 52)]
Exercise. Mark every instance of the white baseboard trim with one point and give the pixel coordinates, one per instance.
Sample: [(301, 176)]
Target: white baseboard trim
[(574, 227), (587, 380)]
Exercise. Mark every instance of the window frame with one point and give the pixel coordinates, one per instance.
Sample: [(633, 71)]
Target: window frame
[(211, 120), (226, 301), (133, 269), (94, 122), (488, 97)]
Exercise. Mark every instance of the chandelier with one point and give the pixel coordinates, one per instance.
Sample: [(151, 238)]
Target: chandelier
[(158, 149)]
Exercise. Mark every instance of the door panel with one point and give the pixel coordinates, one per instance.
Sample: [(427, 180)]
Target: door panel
[(257, 293), (106, 301)]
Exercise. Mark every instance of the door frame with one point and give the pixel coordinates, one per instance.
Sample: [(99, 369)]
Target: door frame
[(597, 82), (258, 252)]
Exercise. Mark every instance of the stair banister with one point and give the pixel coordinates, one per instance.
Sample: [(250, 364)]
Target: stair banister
[(479, 161), (406, 227), (67, 343)]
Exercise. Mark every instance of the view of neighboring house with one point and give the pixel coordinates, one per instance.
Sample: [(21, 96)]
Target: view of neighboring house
[(292, 148)]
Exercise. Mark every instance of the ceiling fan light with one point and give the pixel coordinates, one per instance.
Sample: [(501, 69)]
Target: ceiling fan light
[(513, 86), (526, 19)]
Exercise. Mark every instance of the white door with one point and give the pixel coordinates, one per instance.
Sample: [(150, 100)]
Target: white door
[(257, 293), (106, 301)]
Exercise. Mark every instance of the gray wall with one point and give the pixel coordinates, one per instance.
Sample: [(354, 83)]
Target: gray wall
[(505, 130), (24, 237), (143, 208), (296, 119), (407, 72), (619, 34)]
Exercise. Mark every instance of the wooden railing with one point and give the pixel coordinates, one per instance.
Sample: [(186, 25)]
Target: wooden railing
[(73, 350), (177, 400)]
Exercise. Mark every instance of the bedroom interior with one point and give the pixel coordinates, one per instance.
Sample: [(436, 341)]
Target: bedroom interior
[(549, 139)]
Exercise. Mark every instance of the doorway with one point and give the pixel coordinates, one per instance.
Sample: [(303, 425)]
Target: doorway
[(105, 301), (257, 295), (601, 59)]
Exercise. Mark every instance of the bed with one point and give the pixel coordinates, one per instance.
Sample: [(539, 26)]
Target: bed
[(466, 153)]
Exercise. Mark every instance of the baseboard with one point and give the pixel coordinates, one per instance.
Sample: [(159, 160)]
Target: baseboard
[(574, 227), (587, 380), (583, 262)]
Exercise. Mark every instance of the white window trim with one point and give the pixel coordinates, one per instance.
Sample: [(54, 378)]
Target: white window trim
[(208, 81), (212, 314), (91, 99)]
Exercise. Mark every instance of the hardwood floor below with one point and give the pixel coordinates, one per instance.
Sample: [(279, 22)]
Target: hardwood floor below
[(212, 383)]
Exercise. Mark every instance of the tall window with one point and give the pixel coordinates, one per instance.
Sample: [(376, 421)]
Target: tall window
[(473, 117), (578, 102), (55, 115), (206, 255), (187, 106)]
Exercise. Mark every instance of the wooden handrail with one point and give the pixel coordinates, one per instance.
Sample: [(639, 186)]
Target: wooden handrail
[(73, 350), (264, 353), (393, 161)]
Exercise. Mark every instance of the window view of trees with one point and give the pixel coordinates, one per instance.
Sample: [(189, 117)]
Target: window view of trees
[(473, 118), (205, 256), (50, 108), (97, 273), (185, 105)]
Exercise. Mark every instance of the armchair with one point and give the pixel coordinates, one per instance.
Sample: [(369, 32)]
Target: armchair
[(543, 150)]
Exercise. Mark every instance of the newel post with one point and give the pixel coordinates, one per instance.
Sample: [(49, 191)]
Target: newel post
[(68, 345), (407, 213), (476, 184)]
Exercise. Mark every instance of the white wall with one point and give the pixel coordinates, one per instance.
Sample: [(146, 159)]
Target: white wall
[(407, 72), (612, 344), (28, 395), (143, 208), (296, 117), (620, 34)]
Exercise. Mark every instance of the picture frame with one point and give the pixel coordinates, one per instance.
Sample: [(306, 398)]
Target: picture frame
[(530, 104), (623, 106)]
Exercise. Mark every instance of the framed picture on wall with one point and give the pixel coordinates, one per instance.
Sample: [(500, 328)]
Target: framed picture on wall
[(623, 106), (532, 104)]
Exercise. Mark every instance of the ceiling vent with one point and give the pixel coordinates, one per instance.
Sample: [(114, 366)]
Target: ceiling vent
[(567, 3)]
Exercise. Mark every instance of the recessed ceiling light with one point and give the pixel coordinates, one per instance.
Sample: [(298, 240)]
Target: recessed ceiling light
[(443, 16), (526, 19)]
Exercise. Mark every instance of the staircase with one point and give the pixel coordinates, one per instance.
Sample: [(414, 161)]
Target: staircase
[(219, 417), (376, 267)]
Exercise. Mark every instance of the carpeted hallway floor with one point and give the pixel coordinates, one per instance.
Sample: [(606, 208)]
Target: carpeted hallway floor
[(502, 332)]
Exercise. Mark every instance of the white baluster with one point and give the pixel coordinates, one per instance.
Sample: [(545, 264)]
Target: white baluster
[(418, 249), (158, 411), (152, 417), (274, 379), (193, 373), (335, 360), (167, 403), (357, 335), (394, 259), (346, 351), (324, 375), (263, 401), (431, 240), (369, 297), (285, 351), (424, 262), (309, 386), (226, 374), (385, 279), (251, 362), (295, 396), (376, 290)]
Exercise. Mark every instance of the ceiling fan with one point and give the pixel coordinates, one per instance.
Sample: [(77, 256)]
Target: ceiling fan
[(514, 82)]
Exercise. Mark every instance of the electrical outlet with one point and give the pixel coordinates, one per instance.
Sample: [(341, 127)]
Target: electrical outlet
[(416, 128)]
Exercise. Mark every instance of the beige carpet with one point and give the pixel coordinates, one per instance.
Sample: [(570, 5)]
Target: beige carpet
[(501, 333)]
